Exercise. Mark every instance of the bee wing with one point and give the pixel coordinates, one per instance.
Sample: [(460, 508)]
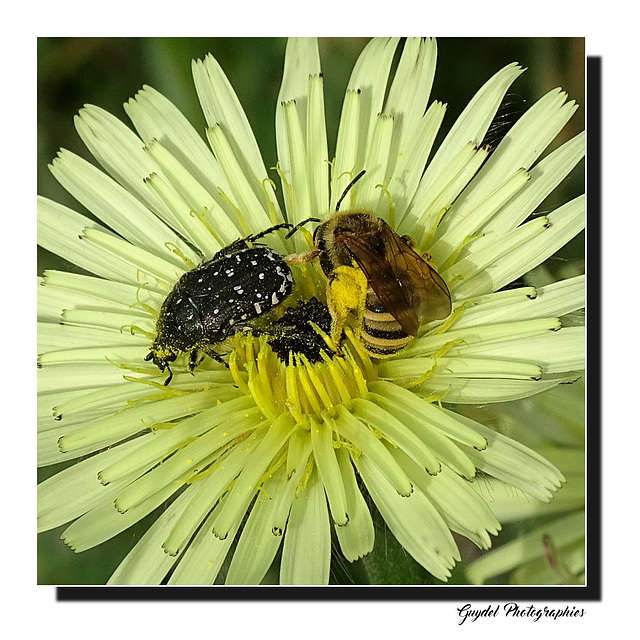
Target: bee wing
[(407, 286)]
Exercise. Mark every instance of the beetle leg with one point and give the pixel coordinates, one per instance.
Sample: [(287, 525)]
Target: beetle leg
[(168, 380), (216, 356), (193, 360)]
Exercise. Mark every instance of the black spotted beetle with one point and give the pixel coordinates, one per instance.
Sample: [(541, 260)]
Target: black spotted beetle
[(221, 296)]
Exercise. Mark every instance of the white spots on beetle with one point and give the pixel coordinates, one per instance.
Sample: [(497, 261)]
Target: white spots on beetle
[(259, 279)]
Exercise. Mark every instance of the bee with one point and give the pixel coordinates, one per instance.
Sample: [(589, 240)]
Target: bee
[(376, 275), (220, 297)]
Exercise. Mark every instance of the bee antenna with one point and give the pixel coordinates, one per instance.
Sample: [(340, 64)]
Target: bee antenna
[(349, 186)]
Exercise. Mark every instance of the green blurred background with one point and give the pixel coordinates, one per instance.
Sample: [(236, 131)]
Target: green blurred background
[(108, 71)]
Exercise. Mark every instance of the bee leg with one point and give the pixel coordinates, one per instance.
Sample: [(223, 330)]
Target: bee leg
[(338, 318), (302, 258), (346, 293)]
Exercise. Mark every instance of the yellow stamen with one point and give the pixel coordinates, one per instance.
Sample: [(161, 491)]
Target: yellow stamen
[(238, 377), (293, 397), (203, 218), (273, 215), (174, 249), (244, 225), (392, 207), (438, 354), (133, 328), (318, 384), (454, 317), (301, 388), (453, 256)]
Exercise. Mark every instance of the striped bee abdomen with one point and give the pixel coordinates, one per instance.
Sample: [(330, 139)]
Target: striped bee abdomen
[(381, 334)]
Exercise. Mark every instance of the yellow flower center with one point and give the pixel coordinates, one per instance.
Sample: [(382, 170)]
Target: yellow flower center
[(301, 388)]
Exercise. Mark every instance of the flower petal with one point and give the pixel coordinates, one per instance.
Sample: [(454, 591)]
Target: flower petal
[(413, 520), (410, 91), (553, 351), (546, 175), (132, 420), (157, 118), (76, 489), (301, 89), (325, 459), (221, 107), (306, 553), (369, 81), (205, 493), (121, 153), (242, 492), (551, 301), (147, 562), (259, 542), (473, 123), (354, 431), (103, 521), (456, 501), (565, 223), (524, 548), (117, 208), (357, 536), (485, 390), (204, 556), (396, 432), (523, 144), (514, 463)]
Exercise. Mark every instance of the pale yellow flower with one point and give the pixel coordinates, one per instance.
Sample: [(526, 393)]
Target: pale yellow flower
[(276, 456)]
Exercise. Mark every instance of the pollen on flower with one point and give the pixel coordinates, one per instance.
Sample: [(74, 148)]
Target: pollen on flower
[(300, 387)]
